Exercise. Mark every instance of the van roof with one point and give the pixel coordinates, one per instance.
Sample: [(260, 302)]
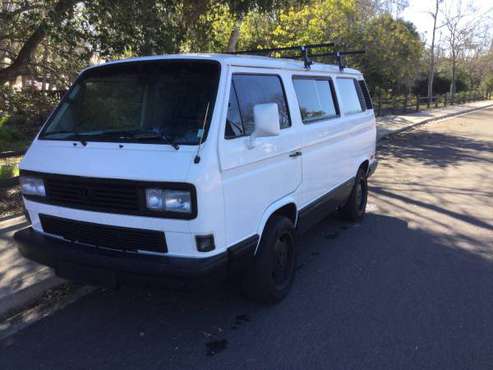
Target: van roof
[(244, 61)]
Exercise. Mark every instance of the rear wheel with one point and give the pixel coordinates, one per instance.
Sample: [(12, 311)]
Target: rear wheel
[(270, 277), (355, 207)]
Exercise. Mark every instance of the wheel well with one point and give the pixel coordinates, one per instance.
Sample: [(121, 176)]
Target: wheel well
[(289, 211), (365, 165)]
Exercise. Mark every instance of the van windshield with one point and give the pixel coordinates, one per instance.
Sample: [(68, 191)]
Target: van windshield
[(150, 102)]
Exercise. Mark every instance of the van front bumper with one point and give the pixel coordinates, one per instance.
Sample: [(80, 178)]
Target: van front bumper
[(59, 254)]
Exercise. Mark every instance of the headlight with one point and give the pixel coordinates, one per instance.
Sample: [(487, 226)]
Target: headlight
[(32, 186), (169, 200)]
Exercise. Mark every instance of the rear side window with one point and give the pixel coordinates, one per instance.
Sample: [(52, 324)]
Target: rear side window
[(247, 91), (366, 94), (350, 96), (316, 98)]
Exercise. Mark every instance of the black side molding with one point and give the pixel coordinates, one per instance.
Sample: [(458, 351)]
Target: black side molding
[(323, 206)]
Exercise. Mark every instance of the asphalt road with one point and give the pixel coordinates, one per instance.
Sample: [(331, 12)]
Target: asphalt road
[(411, 287)]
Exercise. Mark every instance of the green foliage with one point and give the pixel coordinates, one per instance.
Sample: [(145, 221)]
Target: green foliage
[(487, 83), (8, 171), (27, 106), (320, 21), (393, 54), (21, 115), (140, 27), (9, 135)]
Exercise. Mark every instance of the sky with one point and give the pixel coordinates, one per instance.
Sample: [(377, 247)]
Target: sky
[(418, 13)]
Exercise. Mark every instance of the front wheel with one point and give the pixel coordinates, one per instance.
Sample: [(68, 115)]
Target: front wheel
[(355, 207), (271, 275)]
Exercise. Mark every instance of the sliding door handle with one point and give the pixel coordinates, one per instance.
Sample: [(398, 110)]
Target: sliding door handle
[(295, 154)]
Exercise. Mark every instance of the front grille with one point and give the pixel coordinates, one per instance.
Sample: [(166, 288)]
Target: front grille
[(89, 193), (107, 195), (113, 237)]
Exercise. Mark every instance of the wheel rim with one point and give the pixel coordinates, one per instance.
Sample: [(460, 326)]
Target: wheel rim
[(283, 261)]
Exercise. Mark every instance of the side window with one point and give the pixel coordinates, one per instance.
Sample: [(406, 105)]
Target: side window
[(366, 94), (259, 89), (316, 98), (234, 125), (349, 95)]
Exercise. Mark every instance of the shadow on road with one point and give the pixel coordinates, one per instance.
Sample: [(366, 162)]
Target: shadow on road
[(436, 149), (370, 294)]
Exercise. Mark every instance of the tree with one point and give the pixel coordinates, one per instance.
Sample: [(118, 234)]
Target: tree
[(239, 8), (460, 33), (394, 50), (392, 7), (53, 14), (431, 69)]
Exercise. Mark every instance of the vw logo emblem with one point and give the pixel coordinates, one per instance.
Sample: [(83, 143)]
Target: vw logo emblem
[(84, 193)]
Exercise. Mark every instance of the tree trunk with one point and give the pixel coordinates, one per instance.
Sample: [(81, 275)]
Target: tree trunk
[(44, 82), (234, 36), (452, 83), (21, 63), (432, 56)]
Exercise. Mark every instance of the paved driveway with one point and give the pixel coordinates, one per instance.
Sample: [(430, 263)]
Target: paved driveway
[(411, 287)]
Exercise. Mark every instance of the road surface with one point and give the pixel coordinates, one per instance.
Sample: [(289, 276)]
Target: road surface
[(411, 287)]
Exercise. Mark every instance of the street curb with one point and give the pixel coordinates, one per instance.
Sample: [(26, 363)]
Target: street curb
[(24, 297), (431, 120), (63, 295)]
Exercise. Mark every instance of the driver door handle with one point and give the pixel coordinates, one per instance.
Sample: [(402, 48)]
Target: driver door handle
[(295, 154)]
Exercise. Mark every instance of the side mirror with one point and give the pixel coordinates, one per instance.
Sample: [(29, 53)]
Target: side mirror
[(266, 120)]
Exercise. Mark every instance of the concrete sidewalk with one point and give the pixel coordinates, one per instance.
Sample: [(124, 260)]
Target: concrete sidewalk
[(22, 281), (391, 124)]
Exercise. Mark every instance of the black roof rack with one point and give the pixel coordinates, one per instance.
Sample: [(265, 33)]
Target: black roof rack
[(305, 53), (339, 54)]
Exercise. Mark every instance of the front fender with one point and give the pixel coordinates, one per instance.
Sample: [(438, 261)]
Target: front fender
[(269, 211)]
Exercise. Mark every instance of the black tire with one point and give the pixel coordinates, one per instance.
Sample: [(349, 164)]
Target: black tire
[(355, 207), (269, 278)]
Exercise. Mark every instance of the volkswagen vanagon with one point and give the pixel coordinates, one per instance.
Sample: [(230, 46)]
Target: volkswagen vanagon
[(189, 165)]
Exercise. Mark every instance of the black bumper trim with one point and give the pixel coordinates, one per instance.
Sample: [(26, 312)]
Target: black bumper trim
[(52, 252)]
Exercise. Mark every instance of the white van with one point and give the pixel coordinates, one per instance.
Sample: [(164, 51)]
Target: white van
[(188, 165)]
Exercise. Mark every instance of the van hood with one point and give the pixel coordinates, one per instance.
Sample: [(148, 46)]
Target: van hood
[(145, 162)]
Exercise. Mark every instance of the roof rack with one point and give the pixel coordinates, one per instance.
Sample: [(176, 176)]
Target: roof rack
[(339, 54), (305, 53)]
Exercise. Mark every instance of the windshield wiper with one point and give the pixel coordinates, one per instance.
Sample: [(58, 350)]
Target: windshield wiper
[(71, 135), (152, 136), (110, 134)]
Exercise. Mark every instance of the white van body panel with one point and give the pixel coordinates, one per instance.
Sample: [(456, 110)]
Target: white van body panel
[(251, 175), (144, 162), (273, 208)]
